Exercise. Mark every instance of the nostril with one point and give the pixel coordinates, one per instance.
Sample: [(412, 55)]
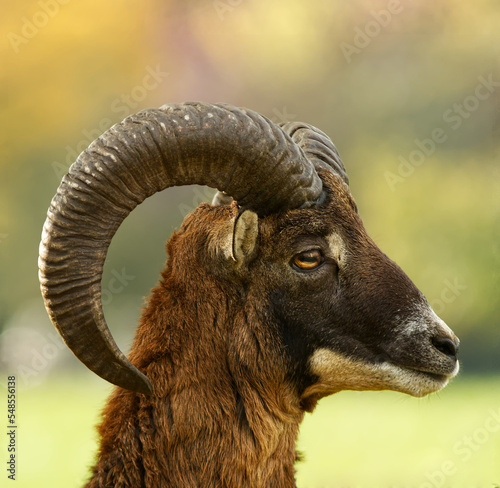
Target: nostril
[(446, 346)]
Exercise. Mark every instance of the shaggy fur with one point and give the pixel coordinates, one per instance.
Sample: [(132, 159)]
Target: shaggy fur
[(227, 346), (223, 413)]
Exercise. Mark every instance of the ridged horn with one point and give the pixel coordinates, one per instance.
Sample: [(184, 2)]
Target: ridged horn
[(235, 150), (317, 146)]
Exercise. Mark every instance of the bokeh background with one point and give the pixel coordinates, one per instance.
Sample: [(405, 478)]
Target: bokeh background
[(410, 94)]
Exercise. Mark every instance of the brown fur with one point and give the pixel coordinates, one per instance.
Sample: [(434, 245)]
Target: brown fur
[(237, 351), (222, 414)]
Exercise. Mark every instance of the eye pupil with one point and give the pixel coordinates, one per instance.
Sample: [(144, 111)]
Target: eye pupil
[(308, 259)]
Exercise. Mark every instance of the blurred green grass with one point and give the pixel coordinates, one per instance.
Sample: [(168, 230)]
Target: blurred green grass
[(353, 439), (385, 439)]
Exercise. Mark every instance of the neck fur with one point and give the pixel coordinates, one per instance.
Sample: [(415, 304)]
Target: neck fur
[(222, 414)]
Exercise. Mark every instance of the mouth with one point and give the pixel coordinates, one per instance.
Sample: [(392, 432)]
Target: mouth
[(419, 383), (440, 373), (434, 376), (337, 372)]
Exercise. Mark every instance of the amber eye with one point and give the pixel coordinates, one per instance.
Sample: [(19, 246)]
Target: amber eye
[(308, 260)]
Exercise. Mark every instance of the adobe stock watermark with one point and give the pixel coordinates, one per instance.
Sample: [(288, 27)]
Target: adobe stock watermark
[(200, 194), (363, 36), (30, 27), (123, 106), (450, 292), (115, 285), (222, 7), (282, 116), (454, 118), (29, 354), (465, 449)]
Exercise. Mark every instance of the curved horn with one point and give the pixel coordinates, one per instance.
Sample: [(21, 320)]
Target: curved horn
[(221, 146), (317, 146)]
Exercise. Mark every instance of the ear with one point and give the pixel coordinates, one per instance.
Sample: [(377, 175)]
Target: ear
[(245, 233)]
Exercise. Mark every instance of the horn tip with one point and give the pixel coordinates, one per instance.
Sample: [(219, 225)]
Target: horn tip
[(139, 384), (147, 387)]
